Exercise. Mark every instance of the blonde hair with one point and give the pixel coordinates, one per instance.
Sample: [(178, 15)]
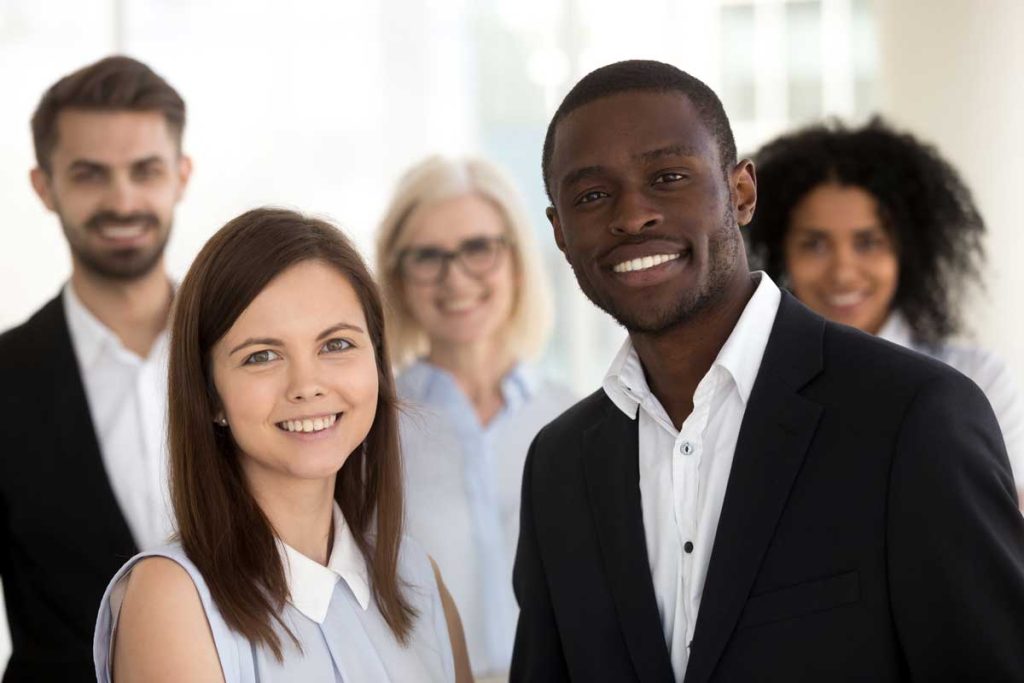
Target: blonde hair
[(437, 179)]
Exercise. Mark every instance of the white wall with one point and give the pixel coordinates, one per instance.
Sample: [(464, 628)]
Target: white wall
[(951, 71)]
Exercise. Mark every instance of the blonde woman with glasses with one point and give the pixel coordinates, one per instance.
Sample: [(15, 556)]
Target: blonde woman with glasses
[(467, 305)]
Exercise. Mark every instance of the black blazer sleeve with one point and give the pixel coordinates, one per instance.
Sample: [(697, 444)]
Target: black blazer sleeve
[(537, 655), (955, 539)]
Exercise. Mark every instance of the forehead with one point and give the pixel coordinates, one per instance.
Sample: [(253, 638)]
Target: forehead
[(303, 300), (450, 221), (618, 128), (835, 207), (112, 136)]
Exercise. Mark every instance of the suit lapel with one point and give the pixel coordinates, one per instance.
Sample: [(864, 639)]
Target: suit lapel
[(777, 429), (613, 482), (83, 477)]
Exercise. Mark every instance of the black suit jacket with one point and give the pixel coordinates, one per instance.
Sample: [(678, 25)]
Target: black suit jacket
[(869, 531), (62, 533)]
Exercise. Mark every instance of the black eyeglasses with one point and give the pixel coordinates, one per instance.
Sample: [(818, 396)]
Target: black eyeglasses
[(476, 256)]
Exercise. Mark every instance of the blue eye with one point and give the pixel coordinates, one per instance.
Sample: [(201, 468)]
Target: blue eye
[(336, 345), (261, 357)]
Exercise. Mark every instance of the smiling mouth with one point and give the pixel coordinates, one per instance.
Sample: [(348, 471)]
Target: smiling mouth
[(845, 300), (123, 232), (458, 306), (309, 424), (643, 263)]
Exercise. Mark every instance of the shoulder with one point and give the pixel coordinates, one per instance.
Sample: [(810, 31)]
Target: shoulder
[(578, 417), (24, 339), (877, 364), (162, 631)]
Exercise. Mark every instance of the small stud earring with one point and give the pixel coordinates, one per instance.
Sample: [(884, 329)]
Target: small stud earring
[(222, 421)]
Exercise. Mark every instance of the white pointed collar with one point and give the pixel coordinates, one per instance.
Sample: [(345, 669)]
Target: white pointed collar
[(311, 585)]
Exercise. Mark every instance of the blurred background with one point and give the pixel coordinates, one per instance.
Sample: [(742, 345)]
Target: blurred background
[(320, 105)]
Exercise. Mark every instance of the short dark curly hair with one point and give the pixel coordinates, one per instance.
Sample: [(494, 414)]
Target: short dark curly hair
[(924, 205), (641, 75)]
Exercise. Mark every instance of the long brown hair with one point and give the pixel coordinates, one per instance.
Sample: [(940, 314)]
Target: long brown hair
[(221, 527)]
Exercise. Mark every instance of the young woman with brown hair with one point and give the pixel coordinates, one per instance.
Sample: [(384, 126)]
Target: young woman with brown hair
[(286, 483)]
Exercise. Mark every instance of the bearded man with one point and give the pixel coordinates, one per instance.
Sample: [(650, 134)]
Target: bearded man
[(83, 468)]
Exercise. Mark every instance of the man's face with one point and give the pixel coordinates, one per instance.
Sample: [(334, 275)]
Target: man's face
[(115, 178), (643, 211)]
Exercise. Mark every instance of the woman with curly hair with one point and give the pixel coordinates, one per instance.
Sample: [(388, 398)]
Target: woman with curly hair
[(872, 228)]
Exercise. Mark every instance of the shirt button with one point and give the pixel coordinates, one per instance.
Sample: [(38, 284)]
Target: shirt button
[(688, 547), (686, 448)]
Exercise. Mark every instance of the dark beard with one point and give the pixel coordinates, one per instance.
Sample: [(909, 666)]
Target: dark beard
[(123, 264), (724, 249)]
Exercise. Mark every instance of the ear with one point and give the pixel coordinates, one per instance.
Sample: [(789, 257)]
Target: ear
[(184, 173), (220, 419), (556, 226), (40, 180), (743, 191)]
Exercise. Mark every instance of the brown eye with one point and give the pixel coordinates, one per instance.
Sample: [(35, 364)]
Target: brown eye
[(261, 357), (336, 345)]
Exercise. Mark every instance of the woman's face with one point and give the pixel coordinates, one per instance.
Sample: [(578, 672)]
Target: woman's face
[(471, 300), (841, 261), (297, 376)]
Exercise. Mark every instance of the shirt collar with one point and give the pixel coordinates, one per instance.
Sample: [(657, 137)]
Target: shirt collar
[(91, 338), (896, 330), (311, 585), (625, 383), (425, 382), (88, 335)]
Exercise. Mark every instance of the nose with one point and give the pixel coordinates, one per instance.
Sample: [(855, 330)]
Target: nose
[(634, 214), (303, 381), (845, 265), (122, 196)]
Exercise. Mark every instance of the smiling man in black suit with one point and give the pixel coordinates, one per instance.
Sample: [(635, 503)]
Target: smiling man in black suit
[(755, 493), (82, 411)]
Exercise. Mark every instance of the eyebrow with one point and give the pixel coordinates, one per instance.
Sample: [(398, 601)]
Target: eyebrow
[(270, 341), (98, 166), (669, 151), (576, 175)]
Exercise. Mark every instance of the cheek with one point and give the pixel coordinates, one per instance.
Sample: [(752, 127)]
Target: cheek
[(804, 272), (417, 301), (887, 273)]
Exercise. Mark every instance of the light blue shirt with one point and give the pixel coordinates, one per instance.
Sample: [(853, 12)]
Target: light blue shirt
[(330, 611), (463, 484)]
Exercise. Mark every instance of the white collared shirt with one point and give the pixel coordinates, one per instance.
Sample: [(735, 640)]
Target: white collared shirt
[(684, 473), (311, 584), (127, 398)]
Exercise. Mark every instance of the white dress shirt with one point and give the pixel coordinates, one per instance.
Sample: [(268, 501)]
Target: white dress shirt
[(988, 371), (127, 398), (684, 473)]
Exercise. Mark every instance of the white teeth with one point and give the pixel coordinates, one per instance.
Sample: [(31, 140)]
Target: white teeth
[(313, 424), (846, 299), (122, 232), (644, 262), (457, 306)]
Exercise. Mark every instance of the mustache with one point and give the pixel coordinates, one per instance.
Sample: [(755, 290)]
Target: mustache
[(644, 238), (104, 218)]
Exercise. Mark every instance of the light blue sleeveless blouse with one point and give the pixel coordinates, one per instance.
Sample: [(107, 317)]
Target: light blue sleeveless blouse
[(352, 644)]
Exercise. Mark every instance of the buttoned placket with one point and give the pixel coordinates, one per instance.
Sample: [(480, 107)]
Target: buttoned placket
[(687, 456)]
